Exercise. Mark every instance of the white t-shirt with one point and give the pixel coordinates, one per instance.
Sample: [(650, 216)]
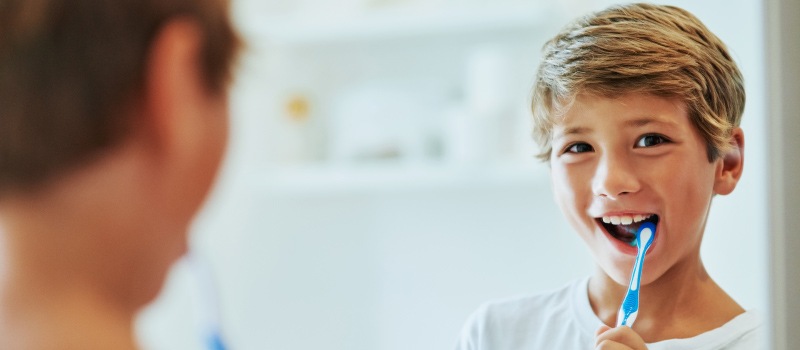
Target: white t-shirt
[(563, 319)]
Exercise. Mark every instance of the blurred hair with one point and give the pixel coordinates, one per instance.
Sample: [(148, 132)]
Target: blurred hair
[(72, 70), (641, 48)]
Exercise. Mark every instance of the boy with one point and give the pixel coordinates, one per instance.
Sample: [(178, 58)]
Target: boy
[(637, 109), (113, 122)]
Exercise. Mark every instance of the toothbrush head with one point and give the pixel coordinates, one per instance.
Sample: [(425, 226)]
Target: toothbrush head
[(645, 235), (645, 232)]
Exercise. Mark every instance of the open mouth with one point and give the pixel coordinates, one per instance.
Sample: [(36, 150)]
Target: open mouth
[(624, 227)]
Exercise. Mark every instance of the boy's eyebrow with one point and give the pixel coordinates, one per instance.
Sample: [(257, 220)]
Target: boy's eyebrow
[(639, 122), (574, 130), (646, 121)]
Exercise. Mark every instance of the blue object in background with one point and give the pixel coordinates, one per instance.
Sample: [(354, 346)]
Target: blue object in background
[(215, 342)]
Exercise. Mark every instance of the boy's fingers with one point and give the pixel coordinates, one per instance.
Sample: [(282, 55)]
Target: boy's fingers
[(601, 330), (619, 338), (611, 345)]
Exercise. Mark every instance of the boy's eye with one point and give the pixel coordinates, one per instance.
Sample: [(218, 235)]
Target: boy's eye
[(651, 140), (579, 147)]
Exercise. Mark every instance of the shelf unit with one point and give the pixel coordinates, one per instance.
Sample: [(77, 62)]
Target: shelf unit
[(388, 178), (396, 22), (295, 48)]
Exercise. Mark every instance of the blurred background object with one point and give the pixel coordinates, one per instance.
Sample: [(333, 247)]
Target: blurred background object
[(380, 182)]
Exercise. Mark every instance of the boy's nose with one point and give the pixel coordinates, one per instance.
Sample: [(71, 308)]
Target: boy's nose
[(614, 177)]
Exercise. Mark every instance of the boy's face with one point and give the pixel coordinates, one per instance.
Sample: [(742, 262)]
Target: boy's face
[(625, 159)]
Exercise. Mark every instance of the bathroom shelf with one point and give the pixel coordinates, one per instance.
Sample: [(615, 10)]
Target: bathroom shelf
[(395, 22), (401, 49), (391, 177)]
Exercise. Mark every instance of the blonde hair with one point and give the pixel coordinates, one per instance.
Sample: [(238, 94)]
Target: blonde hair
[(641, 48)]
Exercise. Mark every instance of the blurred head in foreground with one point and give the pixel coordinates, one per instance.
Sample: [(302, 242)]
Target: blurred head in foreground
[(113, 124)]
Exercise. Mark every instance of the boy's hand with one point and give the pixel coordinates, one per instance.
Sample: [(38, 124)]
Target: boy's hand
[(620, 338)]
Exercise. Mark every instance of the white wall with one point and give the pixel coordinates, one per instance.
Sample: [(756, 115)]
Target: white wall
[(783, 53), (396, 254)]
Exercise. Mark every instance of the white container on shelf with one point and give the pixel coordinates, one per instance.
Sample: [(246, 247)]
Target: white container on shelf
[(483, 127), (378, 122)]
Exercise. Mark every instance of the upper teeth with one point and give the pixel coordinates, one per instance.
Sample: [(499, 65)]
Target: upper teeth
[(625, 219)]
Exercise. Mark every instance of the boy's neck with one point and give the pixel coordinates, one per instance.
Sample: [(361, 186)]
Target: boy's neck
[(49, 300), (70, 274), (39, 315), (682, 303)]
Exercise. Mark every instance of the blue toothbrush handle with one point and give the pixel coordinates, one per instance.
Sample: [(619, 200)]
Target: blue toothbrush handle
[(630, 305), (629, 309)]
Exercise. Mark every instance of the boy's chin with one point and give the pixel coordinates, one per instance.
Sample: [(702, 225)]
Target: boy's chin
[(620, 273)]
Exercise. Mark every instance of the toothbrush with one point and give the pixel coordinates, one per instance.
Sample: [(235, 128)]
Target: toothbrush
[(630, 305), (209, 307)]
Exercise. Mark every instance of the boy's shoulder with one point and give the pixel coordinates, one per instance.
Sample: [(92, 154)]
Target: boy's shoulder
[(558, 304), (744, 332), (531, 304), (542, 319)]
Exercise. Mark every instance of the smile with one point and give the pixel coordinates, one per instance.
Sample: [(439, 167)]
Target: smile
[(624, 227)]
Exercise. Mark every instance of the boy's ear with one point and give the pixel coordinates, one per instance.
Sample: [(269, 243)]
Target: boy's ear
[(174, 89), (730, 165)]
